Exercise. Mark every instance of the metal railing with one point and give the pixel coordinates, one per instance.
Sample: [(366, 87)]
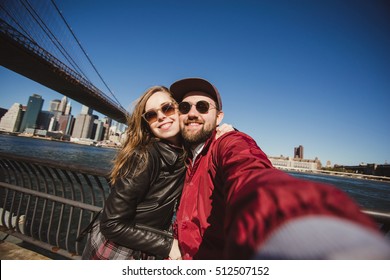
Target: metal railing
[(48, 203)]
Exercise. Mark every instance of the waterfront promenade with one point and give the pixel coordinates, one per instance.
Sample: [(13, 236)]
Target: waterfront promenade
[(335, 173)]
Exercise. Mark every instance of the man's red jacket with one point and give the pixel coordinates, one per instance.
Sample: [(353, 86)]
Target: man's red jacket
[(233, 199)]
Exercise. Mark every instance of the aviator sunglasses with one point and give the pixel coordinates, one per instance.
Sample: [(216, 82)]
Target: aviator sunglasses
[(201, 106), (167, 109)]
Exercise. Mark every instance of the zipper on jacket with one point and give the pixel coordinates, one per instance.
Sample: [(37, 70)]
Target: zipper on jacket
[(154, 230)]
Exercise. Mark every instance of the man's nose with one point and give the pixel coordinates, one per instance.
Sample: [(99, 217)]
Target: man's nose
[(193, 111)]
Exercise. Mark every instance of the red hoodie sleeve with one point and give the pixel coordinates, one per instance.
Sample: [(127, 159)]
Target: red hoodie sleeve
[(260, 198)]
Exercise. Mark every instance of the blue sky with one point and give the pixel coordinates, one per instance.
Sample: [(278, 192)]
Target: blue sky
[(311, 73)]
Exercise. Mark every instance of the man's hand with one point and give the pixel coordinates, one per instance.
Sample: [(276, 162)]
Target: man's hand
[(175, 254), (222, 129)]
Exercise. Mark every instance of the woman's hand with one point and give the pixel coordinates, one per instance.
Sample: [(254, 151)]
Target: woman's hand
[(222, 129), (175, 254)]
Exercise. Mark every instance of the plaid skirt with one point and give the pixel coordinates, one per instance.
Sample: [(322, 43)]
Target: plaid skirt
[(100, 248)]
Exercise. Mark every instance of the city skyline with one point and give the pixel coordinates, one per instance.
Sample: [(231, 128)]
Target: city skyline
[(58, 122), (56, 104), (310, 73)]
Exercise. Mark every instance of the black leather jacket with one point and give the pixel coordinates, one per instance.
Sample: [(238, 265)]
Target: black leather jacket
[(136, 203)]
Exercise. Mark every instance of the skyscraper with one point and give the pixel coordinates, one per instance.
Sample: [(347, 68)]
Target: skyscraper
[(44, 120), (99, 132), (83, 126), (64, 123), (68, 109), (54, 105), (34, 107), (62, 106), (298, 152), (11, 120), (85, 110), (59, 108)]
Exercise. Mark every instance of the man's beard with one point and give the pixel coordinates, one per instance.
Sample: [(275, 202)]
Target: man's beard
[(197, 138)]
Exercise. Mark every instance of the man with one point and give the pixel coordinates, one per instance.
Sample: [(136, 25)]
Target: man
[(235, 205)]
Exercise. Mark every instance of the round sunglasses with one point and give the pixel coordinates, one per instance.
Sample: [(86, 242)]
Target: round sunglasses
[(167, 109), (201, 106)]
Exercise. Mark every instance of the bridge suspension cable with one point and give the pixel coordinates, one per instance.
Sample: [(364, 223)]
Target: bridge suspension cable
[(20, 27), (85, 53), (38, 19), (35, 19)]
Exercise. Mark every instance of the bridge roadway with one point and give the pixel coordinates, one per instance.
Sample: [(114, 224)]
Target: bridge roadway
[(23, 56)]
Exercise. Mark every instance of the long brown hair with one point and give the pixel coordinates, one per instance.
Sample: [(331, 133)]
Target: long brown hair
[(133, 155)]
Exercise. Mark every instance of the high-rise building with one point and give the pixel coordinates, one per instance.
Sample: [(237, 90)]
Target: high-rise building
[(99, 130), (44, 120), (53, 124), (34, 107), (54, 105), (85, 110), (64, 123), (11, 120), (68, 109), (106, 124), (83, 126), (2, 112), (62, 106), (59, 108), (298, 152)]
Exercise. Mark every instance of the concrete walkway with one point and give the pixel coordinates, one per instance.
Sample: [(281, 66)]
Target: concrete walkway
[(11, 249)]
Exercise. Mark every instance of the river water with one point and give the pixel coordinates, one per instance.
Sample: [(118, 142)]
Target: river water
[(374, 195)]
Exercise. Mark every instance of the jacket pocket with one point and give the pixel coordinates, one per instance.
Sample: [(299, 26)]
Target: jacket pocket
[(154, 230), (144, 207)]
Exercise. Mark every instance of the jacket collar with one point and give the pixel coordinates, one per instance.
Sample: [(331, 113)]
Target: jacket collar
[(208, 143), (168, 152), (206, 146)]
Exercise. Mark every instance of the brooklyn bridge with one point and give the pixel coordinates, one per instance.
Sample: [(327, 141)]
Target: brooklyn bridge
[(37, 42)]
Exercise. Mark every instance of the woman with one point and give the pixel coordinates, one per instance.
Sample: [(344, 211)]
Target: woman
[(147, 180)]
